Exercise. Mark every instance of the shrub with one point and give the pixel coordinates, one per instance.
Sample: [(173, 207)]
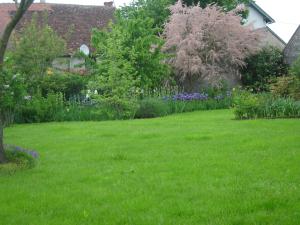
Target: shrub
[(262, 68), (281, 108), (40, 109), (78, 112), (18, 158), (36, 47), (69, 84), (251, 106), (246, 105), (287, 86), (117, 108), (295, 68), (11, 93), (152, 107), (130, 49)]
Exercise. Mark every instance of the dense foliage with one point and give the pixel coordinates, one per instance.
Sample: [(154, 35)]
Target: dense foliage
[(35, 47), (69, 84), (286, 87), (227, 4), (208, 44), (295, 68), (130, 50), (251, 106), (11, 94), (262, 68), (159, 9)]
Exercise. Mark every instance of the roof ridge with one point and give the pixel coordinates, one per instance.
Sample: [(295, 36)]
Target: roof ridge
[(276, 35), (60, 4), (292, 38), (261, 11)]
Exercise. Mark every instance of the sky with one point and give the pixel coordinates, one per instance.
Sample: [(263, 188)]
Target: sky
[(286, 13)]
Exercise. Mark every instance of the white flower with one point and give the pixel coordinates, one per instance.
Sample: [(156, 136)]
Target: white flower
[(14, 76), (95, 92), (6, 86), (89, 91), (28, 97)]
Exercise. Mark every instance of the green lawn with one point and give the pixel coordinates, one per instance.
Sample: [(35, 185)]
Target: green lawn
[(194, 168)]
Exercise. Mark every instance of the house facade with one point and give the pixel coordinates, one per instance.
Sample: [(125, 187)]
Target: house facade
[(292, 49), (260, 20), (74, 23)]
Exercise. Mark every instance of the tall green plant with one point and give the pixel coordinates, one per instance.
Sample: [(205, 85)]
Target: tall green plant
[(262, 68), (295, 68), (36, 47), (159, 9), (130, 51)]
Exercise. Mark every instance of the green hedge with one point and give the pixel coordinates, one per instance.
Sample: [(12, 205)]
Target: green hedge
[(252, 106)]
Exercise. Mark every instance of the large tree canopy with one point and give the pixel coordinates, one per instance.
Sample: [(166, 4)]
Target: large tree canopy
[(227, 4), (159, 9), (207, 43)]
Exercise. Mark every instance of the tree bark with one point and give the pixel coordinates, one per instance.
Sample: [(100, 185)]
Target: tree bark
[(21, 9)]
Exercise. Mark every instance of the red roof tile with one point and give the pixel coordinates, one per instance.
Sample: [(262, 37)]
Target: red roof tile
[(78, 19)]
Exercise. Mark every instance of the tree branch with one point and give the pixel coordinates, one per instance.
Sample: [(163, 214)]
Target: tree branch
[(21, 9)]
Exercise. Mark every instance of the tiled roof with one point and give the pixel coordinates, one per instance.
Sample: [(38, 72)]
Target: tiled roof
[(77, 20)]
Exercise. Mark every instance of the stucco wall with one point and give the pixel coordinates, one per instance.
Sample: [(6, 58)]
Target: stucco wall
[(270, 39), (255, 18), (74, 64), (292, 50)]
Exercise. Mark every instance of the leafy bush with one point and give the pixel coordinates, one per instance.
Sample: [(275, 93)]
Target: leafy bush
[(287, 86), (251, 106), (117, 108), (69, 84), (180, 103), (40, 109), (11, 93), (36, 47), (130, 50), (295, 68), (262, 68), (17, 159), (281, 108), (246, 105), (152, 107)]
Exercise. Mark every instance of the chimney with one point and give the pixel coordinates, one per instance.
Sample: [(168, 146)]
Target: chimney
[(109, 4)]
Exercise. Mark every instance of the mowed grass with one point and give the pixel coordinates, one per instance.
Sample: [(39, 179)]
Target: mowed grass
[(194, 168)]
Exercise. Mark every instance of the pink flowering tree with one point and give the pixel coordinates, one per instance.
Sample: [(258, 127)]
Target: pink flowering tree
[(207, 44)]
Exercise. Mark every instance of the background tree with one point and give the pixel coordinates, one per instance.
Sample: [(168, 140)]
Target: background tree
[(295, 68), (226, 4), (262, 67), (36, 46), (159, 9), (130, 50), (22, 7), (208, 44)]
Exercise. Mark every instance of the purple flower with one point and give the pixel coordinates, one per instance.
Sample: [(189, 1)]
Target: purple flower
[(190, 97), (32, 153)]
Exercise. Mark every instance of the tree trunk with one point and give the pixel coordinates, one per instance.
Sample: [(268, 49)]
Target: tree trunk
[(21, 9), (2, 155)]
